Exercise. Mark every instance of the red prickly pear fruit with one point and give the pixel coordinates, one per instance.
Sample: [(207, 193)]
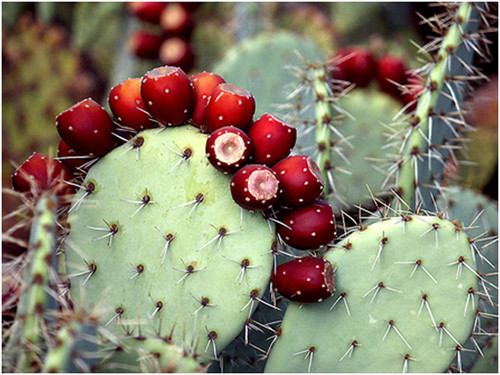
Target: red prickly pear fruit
[(391, 70), (305, 280), (87, 128), (126, 103), (255, 187), (355, 65), (70, 158), (176, 20), (273, 139), (147, 11), (42, 173), (228, 149), (144, 45), (307, 227), (177, 52), (203, 83), (300, 179), (229, 105), (168, 95)]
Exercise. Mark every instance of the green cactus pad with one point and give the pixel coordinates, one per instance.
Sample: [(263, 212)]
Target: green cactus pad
[(146, 194), (390, 313)]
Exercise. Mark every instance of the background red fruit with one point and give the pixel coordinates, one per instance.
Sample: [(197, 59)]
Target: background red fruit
[(391, 68), (273, 139), (42, 173), (144, 44), (176, 20), (148, 11), (300, 179), (168, 95), (416, 85), (126, 103), (305, 280), (228, 149), (307, 227), (255, 187), (70, 158), (203, 83), (229, 105), (177, 52), (87, 128), (355, 65)]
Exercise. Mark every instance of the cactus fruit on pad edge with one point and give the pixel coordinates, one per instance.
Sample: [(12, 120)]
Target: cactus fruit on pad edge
[(405, 300), (160, 244)]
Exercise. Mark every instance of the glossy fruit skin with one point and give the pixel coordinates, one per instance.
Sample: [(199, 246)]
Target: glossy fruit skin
[(203, 84), (177, 51), (73, 164), (144, 44), (87, 128), (125, 101), (229, 105), (176, 20), (232, 142), (42, 173), (247, 183), (300, 179), (168, 95), (391, 68), (307, 227), (355, 65), (304, 280), (273, 139), (147, 11)]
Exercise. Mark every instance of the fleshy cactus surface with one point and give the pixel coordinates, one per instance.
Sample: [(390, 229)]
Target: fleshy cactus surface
[(159, 242), (405, 300)]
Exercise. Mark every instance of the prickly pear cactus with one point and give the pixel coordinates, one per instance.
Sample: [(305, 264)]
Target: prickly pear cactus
[(405, 300), (159, 242)]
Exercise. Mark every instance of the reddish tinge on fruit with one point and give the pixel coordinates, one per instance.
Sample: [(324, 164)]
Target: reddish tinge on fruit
[(177, 51), (305, 280), (307, 227), (203, 83), (255, 187), (70, 158), (176, 20), (144, 44), (87, 128), (391, 70), (355, 65), (148, 11), (228, 149), (168, 95), (229, 105), (42, 173), (300, 179), (273, 139), (126, 103)]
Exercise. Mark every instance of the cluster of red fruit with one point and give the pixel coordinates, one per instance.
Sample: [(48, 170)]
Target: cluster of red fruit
[(171, 43), (359, 66)]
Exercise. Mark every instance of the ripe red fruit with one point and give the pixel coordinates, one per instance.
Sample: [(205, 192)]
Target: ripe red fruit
[(176, 20), (144, 44), (87, 128), (126, 103), (307, 227), (229, 105), (177, 52), (300, 179), (70, 158), (168, 95), (203, 83), (391, 68), (355, 65), (148, 11), (42, 173), (255, 187), (273, 139), (228, 149), (305, 280)]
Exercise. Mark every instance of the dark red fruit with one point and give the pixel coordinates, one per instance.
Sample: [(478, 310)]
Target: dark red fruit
[(126, 103), (203, 83), (305, 280), (391, 68), (148, 11), (229, 105), (42, 173), (177, 52), (87, 128), (300, 179), (168, 95), (255, 187), (307, 227), (144, 44), (228, 149), (273, 139), (176, 20), (70, 158), (355, 65)]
